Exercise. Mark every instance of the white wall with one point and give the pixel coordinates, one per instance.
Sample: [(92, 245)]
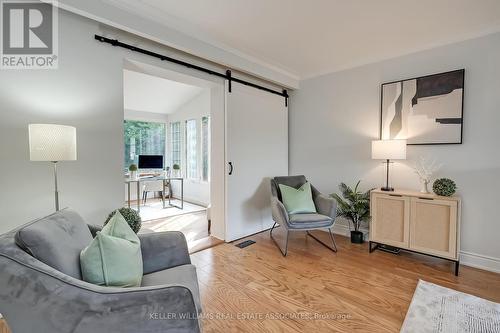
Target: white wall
[(195, 190), (145, 116), (86, 92), (334, 117)]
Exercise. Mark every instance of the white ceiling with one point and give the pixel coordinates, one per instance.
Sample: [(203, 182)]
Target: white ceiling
[(313, 37), (144, 92)]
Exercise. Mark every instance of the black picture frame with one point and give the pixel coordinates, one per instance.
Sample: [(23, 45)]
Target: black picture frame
[(462, 73)]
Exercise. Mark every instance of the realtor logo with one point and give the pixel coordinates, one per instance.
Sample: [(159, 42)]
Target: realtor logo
[(29, 35)]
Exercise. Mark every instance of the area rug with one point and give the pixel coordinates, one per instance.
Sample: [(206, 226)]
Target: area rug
[(439, 309)]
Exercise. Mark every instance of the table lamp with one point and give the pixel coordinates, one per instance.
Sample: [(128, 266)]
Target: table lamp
[(52, 143), (388, 150)]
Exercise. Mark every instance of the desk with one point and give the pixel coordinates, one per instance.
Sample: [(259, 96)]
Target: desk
[(166, 183)]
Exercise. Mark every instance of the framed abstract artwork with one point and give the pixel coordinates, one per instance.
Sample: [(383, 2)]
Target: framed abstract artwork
[(427, 110)]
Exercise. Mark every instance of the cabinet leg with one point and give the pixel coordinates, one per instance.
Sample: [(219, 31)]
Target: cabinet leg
[(457, 266), (370, 248)]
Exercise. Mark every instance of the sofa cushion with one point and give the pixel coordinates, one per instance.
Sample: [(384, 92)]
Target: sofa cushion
[(292, 181), (184, 275), (304, 221), (114, 257), (56, 240), (298, 200)]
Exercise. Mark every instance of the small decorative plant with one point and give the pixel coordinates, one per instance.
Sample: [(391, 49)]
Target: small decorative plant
[(354, 206), (444, 186), (176, 167), (132, 167), (131, 216)]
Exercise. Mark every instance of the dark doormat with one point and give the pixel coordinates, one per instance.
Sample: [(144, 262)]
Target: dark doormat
[(245, 244)]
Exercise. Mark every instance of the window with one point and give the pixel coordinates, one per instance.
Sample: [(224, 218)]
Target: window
[(175, 132), (142, 138), (191, 150), (205, 148)]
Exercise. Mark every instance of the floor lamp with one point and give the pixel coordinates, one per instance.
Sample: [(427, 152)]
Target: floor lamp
[(52, 143)]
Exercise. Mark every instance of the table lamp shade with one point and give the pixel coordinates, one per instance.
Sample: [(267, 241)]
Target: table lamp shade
[(50, 142), (389, 149)]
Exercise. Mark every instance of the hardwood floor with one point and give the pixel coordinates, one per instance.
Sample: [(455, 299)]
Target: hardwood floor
[(193, 225), (255, 289)]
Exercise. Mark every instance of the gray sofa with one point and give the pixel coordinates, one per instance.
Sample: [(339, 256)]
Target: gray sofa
[(326, 208), (41, 288)]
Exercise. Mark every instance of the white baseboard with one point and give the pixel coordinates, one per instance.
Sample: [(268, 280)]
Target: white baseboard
[(343, 230), (466, 258), (480, 261)]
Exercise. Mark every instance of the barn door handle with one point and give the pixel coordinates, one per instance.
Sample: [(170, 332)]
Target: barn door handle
[(230, 168)]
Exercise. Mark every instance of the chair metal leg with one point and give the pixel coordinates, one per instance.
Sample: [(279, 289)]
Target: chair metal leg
[(333, 248), (286, 240)]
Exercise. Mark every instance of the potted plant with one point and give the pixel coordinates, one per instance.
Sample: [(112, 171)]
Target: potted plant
[(445, 187), (167, 172), (133, 171), (131, 216), (177, 170), (354, 206)]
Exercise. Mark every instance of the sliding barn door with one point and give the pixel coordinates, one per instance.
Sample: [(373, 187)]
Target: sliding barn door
[(256, 150)]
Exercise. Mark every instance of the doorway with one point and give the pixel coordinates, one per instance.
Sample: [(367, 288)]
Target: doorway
[(168, 137)]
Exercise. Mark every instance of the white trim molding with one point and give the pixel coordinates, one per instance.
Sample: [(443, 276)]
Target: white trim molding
[(344, 230), (480, 261)]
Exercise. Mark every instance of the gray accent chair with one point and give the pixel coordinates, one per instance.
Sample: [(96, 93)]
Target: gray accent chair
[(41, 287), (326, 208)]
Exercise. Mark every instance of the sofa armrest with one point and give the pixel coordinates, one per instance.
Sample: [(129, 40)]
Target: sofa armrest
[(280, 215), (162, 250), (326, 205), (29, 286), (161, 308)]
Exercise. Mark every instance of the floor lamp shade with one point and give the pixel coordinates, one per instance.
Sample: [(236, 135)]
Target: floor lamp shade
[(54, 143), (50, 142)]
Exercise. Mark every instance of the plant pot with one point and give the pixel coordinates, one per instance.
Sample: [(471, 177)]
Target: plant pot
[(357, 237), (133, 175)]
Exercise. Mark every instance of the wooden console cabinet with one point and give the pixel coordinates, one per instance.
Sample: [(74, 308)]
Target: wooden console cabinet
[(418, 222)]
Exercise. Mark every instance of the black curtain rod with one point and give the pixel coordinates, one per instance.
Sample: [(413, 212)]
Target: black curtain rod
[(227, 75)]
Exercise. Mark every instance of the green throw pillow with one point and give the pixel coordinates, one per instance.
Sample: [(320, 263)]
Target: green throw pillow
[(297, 200), (114, 257)]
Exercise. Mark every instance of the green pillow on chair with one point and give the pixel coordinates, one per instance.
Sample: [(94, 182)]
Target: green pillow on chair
[(114, 257), (297, 200)]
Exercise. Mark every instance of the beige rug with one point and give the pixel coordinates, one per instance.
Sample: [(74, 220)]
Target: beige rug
[(443, 310)]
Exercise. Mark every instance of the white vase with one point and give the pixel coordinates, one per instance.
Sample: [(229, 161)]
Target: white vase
[(424, 186), (133, 175)]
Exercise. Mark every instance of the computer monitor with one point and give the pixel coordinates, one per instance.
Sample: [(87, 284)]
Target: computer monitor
[(150, 161)]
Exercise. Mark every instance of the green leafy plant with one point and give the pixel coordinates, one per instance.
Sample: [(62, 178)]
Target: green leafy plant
[(132, 167), (354, 205), (176, 167), (131, 216), (444, 186)]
